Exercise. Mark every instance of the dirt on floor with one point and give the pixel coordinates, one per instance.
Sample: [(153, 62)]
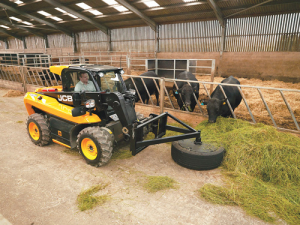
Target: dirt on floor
[(40, 185)]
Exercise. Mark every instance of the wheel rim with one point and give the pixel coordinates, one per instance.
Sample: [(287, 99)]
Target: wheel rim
[(34, 131), (89, 148)]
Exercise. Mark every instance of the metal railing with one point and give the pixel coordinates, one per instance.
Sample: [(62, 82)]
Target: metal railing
[(40, 76), (138, 60), (167, 101)]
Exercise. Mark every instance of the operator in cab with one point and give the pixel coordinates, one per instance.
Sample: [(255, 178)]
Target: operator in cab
[(84, 84)]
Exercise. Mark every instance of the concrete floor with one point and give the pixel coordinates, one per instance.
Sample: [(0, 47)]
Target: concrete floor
[(40, 185)]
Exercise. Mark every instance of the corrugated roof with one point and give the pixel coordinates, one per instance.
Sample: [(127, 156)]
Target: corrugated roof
[(169, 11)]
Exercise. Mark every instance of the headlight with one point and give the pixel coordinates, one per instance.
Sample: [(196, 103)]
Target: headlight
[(101, 74), (90, 103), (122, 72)]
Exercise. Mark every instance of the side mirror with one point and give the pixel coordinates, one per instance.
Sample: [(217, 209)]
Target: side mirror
[(76, 99)]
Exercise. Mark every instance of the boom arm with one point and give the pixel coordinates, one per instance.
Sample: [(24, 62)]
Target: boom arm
[(123, 107)]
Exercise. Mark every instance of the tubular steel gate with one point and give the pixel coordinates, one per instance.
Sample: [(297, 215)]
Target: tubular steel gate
[(40, 76)]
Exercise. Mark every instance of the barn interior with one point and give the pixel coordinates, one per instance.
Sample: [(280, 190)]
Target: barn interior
[(248, 38), (255, 41), (213, 39)]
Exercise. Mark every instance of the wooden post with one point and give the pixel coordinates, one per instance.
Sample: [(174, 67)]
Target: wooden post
[(23, 73), (162, 94)]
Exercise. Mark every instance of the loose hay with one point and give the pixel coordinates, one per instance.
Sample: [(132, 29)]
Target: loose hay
[(122, 151), (262, 169), (158, 183), (86, 199), (13, 93)]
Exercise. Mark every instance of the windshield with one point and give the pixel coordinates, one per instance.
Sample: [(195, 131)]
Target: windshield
[(110, 81)]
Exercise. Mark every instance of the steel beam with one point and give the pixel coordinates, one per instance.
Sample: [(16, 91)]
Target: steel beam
[(74, 42), (222, 43), (67, 32), (6, 44), (81, 16), (149, 21), (217, 11), (46, 41), (24, 43), (262, 3)]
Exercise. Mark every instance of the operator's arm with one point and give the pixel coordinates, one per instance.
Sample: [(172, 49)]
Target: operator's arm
[(77, 87), (91, 86)]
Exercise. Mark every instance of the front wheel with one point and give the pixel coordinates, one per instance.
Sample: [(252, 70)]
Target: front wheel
[(38, 130), (96, 145)]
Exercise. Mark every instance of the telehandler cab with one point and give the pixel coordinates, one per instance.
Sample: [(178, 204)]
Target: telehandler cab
[(95, 121)]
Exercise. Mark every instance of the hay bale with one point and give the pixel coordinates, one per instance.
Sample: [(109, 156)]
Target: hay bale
[(14, 93)]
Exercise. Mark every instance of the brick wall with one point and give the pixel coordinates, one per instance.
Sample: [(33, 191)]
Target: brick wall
[(283, 66)]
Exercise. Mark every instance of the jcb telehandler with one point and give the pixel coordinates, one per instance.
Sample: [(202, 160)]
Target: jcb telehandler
[(94, 121)]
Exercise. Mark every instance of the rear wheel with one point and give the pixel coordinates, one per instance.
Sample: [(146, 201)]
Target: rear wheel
[(38, 130), (96, 145)]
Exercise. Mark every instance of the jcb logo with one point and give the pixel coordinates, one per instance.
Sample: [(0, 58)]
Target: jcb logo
[(64, 98)]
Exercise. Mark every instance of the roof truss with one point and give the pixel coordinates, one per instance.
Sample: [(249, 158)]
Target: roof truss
[(85, 18), (217, 11), (22, 28), (145, 18), (10, 34), (262, 3), (67, 32)]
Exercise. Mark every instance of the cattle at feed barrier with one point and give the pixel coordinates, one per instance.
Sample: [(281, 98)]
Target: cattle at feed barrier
[(149, 82), (185, 91), (217, 105)]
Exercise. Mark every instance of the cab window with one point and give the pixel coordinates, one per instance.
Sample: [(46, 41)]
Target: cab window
[(109, 81), (71, 78)]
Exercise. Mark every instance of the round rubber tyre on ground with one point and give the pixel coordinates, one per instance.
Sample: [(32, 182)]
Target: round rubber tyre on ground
[(38, 129), (96, 145), (196, 157)]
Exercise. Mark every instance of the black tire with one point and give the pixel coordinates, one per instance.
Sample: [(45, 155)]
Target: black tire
[(38, 129), (196, 157), (96, 145)]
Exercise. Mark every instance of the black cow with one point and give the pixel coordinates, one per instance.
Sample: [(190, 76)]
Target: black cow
[(141, 88), (217, 105), (184, 93)]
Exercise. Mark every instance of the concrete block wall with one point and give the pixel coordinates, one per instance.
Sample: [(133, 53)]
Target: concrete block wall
[(283, 66)]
